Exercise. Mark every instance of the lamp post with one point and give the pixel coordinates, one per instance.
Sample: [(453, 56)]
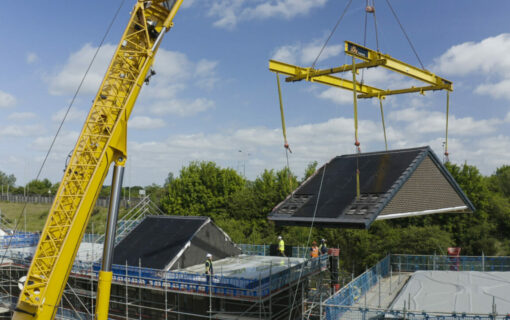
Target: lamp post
[(243, 159)]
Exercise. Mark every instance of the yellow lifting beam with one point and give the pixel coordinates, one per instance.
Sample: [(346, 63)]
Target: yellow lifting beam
[(370, 58), (307, 74)]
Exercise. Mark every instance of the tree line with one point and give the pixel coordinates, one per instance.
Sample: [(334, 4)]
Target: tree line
[(240, 207)]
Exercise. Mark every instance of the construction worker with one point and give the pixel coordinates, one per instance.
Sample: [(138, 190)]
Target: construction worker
[(323, 248), (314, 251), (208, 267), (281, 247)]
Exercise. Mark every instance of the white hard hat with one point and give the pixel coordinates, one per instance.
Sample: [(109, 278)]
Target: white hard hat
[(279, 237), (323, 240), (208, 255)]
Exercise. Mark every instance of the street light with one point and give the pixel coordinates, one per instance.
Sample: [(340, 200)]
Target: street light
[(244, 161)]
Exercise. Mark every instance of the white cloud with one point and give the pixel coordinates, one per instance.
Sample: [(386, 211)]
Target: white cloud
[(282, 8), (145, 123), (305, 54), (181, 107), (32, 57), (187, 3), (421, 121), (64, 144), (175, 73), (20, 130), (230, 12), (488, 58), (337, 95), (499, 90), (74, 115), (21, 116), (66, 81), (6, 100)]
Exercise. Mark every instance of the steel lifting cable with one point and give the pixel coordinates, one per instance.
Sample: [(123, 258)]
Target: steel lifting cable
[(446, 154), (71, 103), (383, 124), (405, 34), (309, 238), (375, 26), (365, 37), (331, 34)]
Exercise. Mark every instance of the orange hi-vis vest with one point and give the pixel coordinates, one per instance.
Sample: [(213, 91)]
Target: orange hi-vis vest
[(314, 253)]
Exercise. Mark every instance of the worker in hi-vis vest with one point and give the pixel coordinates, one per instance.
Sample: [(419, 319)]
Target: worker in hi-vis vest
[(208, 267), (314, 251), (323, 248), (281, 247)]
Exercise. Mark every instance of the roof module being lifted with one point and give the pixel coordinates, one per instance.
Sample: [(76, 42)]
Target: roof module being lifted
[(393, 184)]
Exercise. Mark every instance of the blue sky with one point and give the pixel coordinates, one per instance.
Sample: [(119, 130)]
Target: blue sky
[(214, 96)]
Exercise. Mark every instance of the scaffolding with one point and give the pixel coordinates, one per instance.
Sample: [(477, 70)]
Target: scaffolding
[(143, 293), (276, 289)]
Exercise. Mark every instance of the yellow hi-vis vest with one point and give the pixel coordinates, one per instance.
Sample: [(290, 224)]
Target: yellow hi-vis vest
[(281, 246), (208, 266)]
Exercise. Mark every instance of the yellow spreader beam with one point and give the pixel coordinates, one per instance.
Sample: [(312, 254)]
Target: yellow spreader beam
[(370, 59)]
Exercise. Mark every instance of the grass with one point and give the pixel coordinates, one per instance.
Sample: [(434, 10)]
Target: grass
[(36, 215)]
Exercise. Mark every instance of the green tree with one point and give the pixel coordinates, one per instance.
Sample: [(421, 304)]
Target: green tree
[(500, 181), (39, 187), (310, 170), (202, 188), (7, 180), (156, 193), (473, 232)]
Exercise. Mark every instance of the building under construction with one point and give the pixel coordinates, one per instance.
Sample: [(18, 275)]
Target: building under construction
[(162, 274)]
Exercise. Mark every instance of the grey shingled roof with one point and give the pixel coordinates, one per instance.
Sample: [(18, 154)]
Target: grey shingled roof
[(397, 183)]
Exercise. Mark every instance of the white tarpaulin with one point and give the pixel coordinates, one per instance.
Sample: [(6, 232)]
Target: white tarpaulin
[(456, 291)]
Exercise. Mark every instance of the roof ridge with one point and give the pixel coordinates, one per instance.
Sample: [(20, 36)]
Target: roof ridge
[(178, 217), (383, 152)]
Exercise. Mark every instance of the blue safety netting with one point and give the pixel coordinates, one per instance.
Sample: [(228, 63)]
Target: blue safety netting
[(220, 285), (350, 294), (19, 240)]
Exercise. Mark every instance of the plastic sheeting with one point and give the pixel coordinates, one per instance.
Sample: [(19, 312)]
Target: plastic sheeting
[(248, 267), (456, 291)]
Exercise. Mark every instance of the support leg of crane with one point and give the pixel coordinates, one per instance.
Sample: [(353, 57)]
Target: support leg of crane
[(105, 275)]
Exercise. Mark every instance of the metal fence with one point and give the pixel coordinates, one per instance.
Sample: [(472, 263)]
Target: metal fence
[(359, 313), (101, 202), (411, 263), (264, 249), (346, 303)]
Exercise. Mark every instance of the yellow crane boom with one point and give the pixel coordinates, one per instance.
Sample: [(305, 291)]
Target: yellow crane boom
[(102, 141)]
